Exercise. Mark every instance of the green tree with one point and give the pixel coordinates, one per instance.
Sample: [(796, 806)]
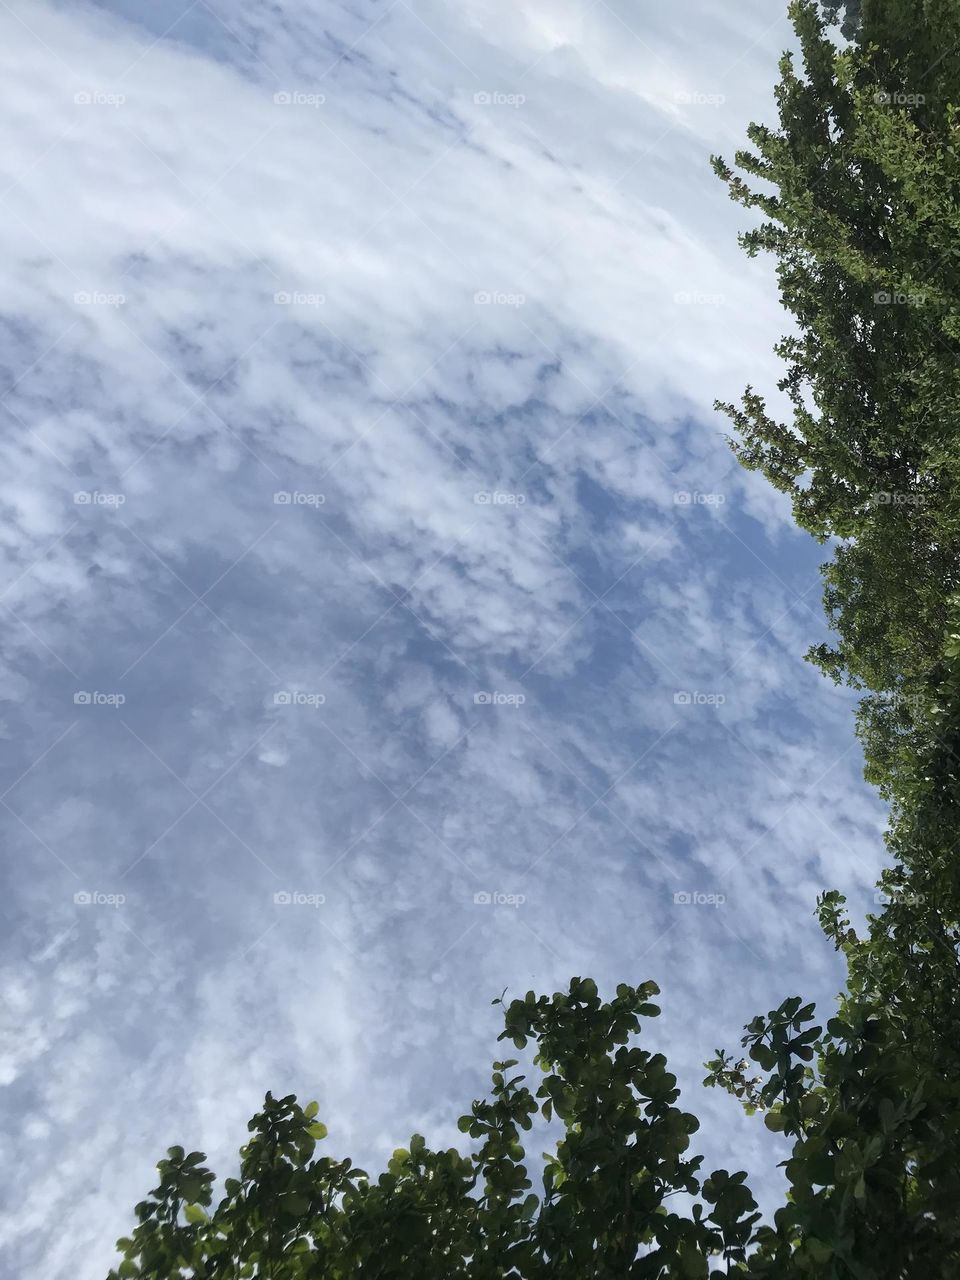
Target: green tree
[(875, 1114), (601, 1207), (844, 12), (857, 194), (871, 1103)]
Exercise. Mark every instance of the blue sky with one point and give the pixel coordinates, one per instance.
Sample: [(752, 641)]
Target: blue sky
[(370, 540)]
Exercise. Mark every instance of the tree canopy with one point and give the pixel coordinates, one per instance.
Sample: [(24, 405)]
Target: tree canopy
[(856, 190)]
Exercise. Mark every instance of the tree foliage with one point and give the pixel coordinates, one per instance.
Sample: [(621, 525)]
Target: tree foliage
[(857, 195), (845, 13), (601, 1201)]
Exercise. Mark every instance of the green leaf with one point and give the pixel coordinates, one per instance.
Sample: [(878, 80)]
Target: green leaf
[(819, 1250)]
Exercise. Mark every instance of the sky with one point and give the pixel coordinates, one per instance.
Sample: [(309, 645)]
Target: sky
[(386, 622)]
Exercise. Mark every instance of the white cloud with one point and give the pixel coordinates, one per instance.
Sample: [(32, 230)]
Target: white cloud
[(576, 399)]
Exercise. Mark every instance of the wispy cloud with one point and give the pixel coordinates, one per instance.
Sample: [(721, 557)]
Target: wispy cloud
[(365, 512)]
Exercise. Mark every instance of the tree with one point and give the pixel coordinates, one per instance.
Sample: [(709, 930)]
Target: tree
[(844, 12), (863, 221), (871, 1101), (601, 1208)]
